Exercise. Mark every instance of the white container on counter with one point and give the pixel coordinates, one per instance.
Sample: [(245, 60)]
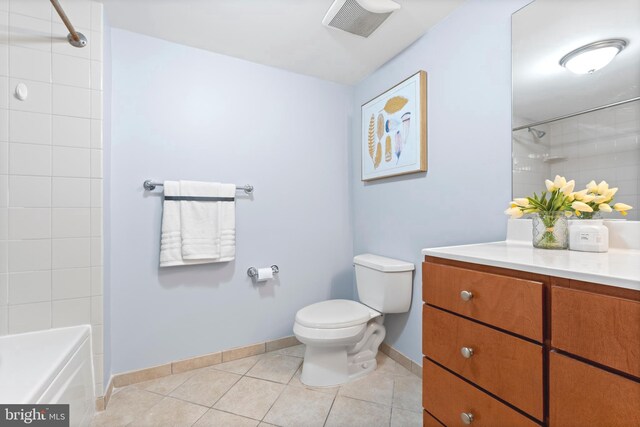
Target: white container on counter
[(588, 235)]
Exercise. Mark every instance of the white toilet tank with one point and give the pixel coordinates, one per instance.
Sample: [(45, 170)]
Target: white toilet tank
[(384, 284)]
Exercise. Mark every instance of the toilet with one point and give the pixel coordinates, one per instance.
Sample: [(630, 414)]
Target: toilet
[(342, 336)]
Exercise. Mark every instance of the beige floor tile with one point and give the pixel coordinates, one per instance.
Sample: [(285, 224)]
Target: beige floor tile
[(170, 413), (295, 382), (407, 393), (215, 418), (356, 413), (300, 407), (124, 406), (386, 364), (296, 350), (240, 366), (403, 418), (376, 387), (206, 386), (401, 371), (165, 385), (250, 397), (275, 367)]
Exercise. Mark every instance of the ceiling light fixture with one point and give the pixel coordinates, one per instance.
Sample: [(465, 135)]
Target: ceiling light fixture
[(593, 56)]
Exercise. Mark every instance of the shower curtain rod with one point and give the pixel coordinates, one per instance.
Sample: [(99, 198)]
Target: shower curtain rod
[(591, 110), (75, 38)]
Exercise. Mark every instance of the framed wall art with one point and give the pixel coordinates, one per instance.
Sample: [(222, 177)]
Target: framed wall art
[(394, 130)]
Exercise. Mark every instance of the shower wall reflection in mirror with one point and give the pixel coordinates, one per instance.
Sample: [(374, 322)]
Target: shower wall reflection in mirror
[(581, 119)]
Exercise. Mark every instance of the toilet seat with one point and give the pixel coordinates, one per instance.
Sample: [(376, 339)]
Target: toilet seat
[(335, 314)]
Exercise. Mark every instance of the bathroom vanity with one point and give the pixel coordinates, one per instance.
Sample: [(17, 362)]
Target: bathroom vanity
[(517, 336)]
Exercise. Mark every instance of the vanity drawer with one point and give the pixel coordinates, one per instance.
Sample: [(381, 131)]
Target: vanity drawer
[(449, 398), (509, 367), (600, 328), (429, 421), (502, 301), (583, 395)]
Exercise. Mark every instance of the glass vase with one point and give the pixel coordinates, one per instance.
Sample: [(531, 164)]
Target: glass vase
[(550, 230)]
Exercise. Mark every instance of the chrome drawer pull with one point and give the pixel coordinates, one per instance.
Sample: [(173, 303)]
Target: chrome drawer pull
[(466, 417), (466, 295), (466, 352)]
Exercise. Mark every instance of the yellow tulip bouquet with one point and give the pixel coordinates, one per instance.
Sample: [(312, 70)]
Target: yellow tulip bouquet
[(553, 206)]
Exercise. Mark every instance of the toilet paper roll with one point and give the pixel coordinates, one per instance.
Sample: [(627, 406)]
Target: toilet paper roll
[(264, 274)]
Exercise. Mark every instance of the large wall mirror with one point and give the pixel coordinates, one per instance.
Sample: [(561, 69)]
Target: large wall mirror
[(581, 118)]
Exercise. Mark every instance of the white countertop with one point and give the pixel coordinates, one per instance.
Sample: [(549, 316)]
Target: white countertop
[(618, 267)]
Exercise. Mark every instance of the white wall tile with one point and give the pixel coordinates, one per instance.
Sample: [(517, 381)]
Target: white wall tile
[(30, 64), (29, 255), (4, 25), (96, 104), (98, 364), (96, 310), (4, 5), (29, 191), (4, 92), (71, 193), (72, 162), (4, 224), (71, 283), (96, 251), (4, 59), (4, 256), (4, 289), (71, 131), (71, 312), (28, 287), (4, 158), (32, 128), (96, 163), (71, 222), (33, 8), (96, 75), (29, 317), (96, 193), (70, 70), (29, 32), (71, 101), (29, 223), (59, 43), (71, 253), (4, 191), (96, 16), (96, 222), (96, 46), (38, 99), (96, 134), (29, 159), (4, 317), (79, 12), (96, 281), (4, 125), (98, 338)]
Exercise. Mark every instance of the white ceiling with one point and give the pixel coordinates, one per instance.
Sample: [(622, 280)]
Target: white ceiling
[(546, 30), (286, 34)]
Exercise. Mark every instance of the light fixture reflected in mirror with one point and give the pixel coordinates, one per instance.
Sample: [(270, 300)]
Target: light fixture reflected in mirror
[(593, 56)]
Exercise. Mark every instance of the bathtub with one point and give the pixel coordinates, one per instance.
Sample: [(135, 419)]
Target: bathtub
[(51, 366)]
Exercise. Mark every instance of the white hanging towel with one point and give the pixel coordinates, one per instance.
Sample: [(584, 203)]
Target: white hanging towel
[(198, 223)]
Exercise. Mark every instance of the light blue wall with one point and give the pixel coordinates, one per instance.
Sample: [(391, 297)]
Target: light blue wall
[(184, 113), (460, 199)]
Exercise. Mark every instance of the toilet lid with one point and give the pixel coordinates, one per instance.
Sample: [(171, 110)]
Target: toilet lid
[(336, 313)]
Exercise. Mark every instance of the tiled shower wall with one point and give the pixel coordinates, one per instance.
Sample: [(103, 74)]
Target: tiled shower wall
[(602, 145), (51, 170)]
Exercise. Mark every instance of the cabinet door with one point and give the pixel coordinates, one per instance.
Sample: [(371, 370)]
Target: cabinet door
[(505, 302), (600, 328), (582, 395)]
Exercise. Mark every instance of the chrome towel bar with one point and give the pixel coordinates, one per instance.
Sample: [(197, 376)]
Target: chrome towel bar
[(150, 185)]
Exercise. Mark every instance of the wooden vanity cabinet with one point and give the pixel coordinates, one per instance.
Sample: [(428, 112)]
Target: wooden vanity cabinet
[(506, 347)]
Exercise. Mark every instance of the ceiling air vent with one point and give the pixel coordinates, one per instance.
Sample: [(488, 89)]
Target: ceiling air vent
[(359, 17)]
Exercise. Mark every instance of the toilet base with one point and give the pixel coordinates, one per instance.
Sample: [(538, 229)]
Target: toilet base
[(327, 366)]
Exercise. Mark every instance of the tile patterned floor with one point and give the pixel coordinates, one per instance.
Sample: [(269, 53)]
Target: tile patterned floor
[(265, 390)]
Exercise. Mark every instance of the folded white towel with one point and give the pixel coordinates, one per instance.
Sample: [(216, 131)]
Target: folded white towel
[(194, 231)]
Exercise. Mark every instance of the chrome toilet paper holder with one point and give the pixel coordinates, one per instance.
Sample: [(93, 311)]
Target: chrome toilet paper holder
[(253, 272)]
